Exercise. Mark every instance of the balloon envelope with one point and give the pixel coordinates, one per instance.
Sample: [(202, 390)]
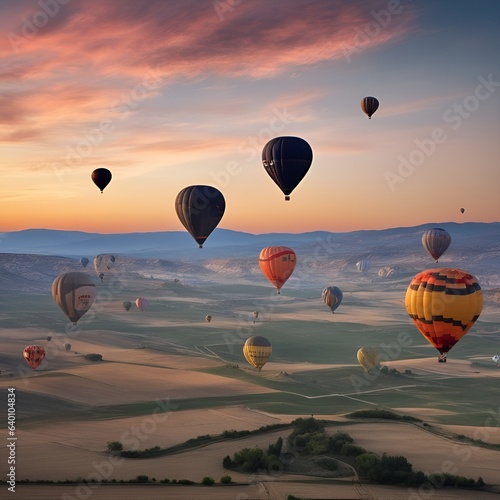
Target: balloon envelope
[(208, 318), (84, 261), (34, 354), (287, 160), (74, 293), (369, 105), (277, 264), (103, 264), (443, 304), (332, 297), (496, 359), (257, 351), (368, 358), (127, 305), (67, 346), (436, 241), (362, 266), (462, 210), (141, 303), (200, 209), (101, 177)]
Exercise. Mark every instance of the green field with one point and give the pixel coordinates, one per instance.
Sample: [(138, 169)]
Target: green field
[(301, 330)]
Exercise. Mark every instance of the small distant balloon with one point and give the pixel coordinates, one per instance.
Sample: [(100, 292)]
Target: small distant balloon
[(369, 105), (34, 354), (257, 351), (67, 346), (84, 261), (496, 359), (49, 338), (255, 315), (127, 305), (141, 303), (462, 210), (101, 178), (332, 297), (208, 318), (368, 358), (362, 266)]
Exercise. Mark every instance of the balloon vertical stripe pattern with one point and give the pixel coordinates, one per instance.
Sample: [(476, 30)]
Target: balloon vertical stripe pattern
[(200, 209), (74, 293), (287, 160), (436, 241), (369, 105), (444, 305)]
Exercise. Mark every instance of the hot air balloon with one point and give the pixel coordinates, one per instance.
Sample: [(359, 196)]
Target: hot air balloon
[(208, 318), (34, 354), (49, 338), (368, 358), (67, 346), (84, 261), (362, 266), (101, 178), (496, 359), (141, 303), (436, 241), (103, 263), (200, 209), (74, 293), (369, 105), (277, 263), (255, 315), (127, 305), (444, 304), (332, 297), (257, 351), (287, 160), (462, 210)]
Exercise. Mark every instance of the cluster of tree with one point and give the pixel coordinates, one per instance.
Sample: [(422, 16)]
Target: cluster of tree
[(309, 438), (381, 413), (255, 459), (93, 356), (141, 478)]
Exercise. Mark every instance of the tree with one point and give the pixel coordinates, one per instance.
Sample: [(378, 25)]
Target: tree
[(115, 446), (207, 481), (225, 479)]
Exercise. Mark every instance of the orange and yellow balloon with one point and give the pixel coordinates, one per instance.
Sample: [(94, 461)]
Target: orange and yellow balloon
[(277, 264), (444, 303)]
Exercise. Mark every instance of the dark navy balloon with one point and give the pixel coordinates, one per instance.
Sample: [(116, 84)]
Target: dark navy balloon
[(287, 160)]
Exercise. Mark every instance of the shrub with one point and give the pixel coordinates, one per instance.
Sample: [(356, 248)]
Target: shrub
[(207, 481), (225, 479), (93, 356), (115, 446), (142, 478)]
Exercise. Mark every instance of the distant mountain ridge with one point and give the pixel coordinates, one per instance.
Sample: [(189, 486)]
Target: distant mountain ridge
[(227, 243), (31, 259)]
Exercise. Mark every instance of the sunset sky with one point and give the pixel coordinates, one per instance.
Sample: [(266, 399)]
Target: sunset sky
[(167, 94)]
